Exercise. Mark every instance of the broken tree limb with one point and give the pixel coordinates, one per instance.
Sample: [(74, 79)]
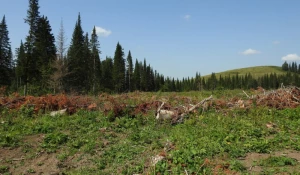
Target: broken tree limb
[(176, 115), (164, 114), (296, 98), (246, 94), (163, 103), (60, 112), (200, 103)]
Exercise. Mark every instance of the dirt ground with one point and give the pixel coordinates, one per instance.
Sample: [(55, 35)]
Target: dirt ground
[(30, 159), (251, 160)]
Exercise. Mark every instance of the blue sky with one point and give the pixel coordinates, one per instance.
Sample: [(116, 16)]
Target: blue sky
[(177, 37)]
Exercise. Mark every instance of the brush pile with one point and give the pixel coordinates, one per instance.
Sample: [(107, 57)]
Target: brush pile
[(282, 98), (163, 107)]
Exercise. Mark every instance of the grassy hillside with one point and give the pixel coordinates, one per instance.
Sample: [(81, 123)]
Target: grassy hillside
[(256, 71)]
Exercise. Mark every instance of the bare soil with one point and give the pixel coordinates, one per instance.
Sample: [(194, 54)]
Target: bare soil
[(252, 159)]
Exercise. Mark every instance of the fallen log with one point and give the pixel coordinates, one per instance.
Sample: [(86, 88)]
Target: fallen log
[(60, 112), (176, 115)]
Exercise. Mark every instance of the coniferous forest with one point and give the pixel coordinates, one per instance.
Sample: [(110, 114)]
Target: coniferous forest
[(43, 64)]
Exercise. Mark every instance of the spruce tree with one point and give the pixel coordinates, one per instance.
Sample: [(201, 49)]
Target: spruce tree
[(95, 56), (129, 72), (20, 69), (107, 75), (198, 81), (5, 55), (45, 52), (143, 69), (30, 66), (137, 76), (157, 81), (76, 60), (119, 69), (151, 80), (88, 64)]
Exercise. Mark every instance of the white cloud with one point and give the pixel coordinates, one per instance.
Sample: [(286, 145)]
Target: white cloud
[(291, 57), (250, 52), (276, 42), (187, 17), (101, 32)]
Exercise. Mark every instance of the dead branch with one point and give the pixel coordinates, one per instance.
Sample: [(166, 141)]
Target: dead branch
[(60, 112), (18, 159), (246, 94), (176, 114), (186, 172), (163, 103), (200, 103)]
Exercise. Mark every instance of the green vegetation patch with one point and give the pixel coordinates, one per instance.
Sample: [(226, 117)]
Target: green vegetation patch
[(89, 142)]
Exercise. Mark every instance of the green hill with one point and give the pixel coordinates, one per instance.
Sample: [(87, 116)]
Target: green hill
[(256, 71)]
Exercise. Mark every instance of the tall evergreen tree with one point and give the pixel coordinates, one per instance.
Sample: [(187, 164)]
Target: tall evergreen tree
[(129, 72), (5, 55), (88, 64), (45, 52), (30, 67), (95, 56), (76, 60), (151, 80), (119, 69), (144, 80), (198, 82), (137, 76), (107, 74), (21, 61)]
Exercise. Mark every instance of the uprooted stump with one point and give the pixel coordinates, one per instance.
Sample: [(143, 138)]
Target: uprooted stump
[(176, 115)]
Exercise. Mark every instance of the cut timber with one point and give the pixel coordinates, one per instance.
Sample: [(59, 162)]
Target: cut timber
[(60, 112), (164, 114), (175, 115), (200, 103)]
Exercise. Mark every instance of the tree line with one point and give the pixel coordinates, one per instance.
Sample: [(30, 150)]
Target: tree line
[(291, 67), (44, 64)]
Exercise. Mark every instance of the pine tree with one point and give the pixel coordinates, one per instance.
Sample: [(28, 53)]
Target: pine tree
[(88, 64), (45, 52), (76, 60), (151, 80), (129, 72), (30, 66), (107, 74), (294, 67), (20, 69), (137, 76), (198, 81), (156, 81), (212, 81), (144, 83), (95, 56), (119, 69), (5, 55)]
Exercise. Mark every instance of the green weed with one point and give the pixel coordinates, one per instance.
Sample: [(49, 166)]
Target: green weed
[(278, 161)]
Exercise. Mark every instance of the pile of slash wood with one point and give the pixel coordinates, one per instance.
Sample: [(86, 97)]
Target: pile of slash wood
[(284, 97)]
